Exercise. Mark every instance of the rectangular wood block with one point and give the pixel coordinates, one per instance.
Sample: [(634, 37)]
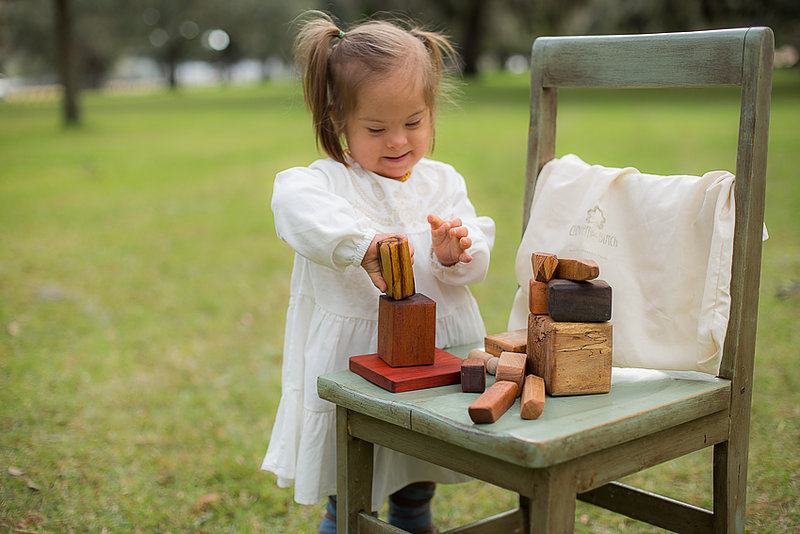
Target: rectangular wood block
[(406, 330), (532, 402), (571, 269), (537, 297), (494, 402), (473, 375), (572, 358), (544, 266), (513, 341), (446, 370), (579, 302), (511, 367), (394, 260)]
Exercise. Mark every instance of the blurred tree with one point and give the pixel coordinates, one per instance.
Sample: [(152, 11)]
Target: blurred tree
[(66, 62)]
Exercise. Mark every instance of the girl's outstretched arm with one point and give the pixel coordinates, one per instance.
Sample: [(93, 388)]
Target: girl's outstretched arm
[(450, 240)]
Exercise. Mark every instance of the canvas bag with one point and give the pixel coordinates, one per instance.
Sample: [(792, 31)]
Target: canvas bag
[(663, 243)]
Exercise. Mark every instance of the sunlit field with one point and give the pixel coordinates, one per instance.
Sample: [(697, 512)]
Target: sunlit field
[(143, 292)]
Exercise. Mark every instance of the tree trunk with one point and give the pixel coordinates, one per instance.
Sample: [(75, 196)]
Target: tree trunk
[(472, 40), (66, 60)]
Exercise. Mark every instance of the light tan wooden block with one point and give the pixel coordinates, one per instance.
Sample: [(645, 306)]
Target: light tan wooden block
[(511, 367), (532, 402), (394, 260), (513, 341), (537, 297), (493, 402), (578, 270), (482, 354), (544, 266), (572, 358), (491, 365)]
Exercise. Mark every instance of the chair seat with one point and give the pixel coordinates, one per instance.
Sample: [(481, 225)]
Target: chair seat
[(641, 402)]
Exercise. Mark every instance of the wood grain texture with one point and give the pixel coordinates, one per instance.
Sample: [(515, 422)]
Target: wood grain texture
[(445, 370), (494, 402), (481, 354), (579, 302), (473, 375), (511, 367), (513, 341), (544, 266), (406, 330), (572, 358), (537, 297), (491, 365), (577, 269), (394, 260), (532, 402)]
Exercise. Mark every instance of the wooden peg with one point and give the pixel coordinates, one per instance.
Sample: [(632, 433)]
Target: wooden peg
[(579, 302), (491, 365), (473, 375), (537, 297), (511, 367), (532, 402), (544, 266), (578, 270), (481, 354), (394, 261), (513, 341), (493, 402)]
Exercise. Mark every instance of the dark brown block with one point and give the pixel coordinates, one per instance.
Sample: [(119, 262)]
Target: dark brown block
[(578, 270), (579, 302), (494, 402), (572, 358), (406, 330), (394, 259), (544, 266), (513, 341), (473, 375), (537, 297)]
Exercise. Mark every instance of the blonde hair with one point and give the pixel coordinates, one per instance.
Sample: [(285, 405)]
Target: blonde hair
[(334, 65)]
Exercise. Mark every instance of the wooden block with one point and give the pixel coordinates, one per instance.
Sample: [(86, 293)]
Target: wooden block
[(513, 341), (537, 297), (572, 358), (578, 270), (491, 365), (511, 367), (394, 259), (446, 370), (532, 402), (544, 266), (494, 402), (473, 375), (481, 354), (579, 302), (406, 330)]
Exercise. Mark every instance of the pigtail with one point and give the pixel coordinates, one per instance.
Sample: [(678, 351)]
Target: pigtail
[(442, 54), (312, 52)]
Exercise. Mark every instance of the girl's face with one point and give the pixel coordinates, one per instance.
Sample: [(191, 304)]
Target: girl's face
[(390, 129)]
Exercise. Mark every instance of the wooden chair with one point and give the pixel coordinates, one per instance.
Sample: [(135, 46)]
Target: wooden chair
[(583, 444)]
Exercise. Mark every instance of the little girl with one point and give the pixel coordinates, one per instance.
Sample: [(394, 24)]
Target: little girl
[(372, 93)]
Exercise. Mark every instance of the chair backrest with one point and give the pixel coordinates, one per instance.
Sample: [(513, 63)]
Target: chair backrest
[(732, 57)]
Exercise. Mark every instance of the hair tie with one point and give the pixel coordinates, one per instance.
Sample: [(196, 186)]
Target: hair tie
[(341, 34)]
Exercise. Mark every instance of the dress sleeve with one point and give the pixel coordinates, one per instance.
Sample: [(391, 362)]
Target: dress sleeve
[(316, 222), (481, 232)]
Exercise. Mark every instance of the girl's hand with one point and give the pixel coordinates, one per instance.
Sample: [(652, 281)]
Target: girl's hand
[(370, 261), (450, 240)]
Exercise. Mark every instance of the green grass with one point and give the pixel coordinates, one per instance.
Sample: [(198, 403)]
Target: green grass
[(143, 291)]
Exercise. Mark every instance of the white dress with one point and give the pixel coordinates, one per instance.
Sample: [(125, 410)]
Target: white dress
[(329, 213)]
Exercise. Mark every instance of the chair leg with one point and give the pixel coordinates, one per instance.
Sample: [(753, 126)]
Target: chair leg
[(730, 488), (353, 476), (551, 507)]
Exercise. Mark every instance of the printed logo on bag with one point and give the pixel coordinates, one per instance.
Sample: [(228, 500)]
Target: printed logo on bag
[(596, 220)]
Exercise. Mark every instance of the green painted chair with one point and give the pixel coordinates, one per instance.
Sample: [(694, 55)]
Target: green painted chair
[(582, 445)]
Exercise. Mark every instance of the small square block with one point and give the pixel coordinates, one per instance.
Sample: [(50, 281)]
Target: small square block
[(572, 358), (473, 375), (406, 330)]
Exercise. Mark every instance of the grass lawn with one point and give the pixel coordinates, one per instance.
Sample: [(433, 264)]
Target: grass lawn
[(143, 292)]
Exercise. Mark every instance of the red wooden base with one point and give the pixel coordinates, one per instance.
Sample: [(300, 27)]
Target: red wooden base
[(446, 370)]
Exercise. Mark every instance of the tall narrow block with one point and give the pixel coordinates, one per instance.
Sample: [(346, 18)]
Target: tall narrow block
[(406, 330), (572, 358), (537, 297), (394, 260)]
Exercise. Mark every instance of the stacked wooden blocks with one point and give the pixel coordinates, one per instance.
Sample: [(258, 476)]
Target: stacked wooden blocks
[(569, 333)]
